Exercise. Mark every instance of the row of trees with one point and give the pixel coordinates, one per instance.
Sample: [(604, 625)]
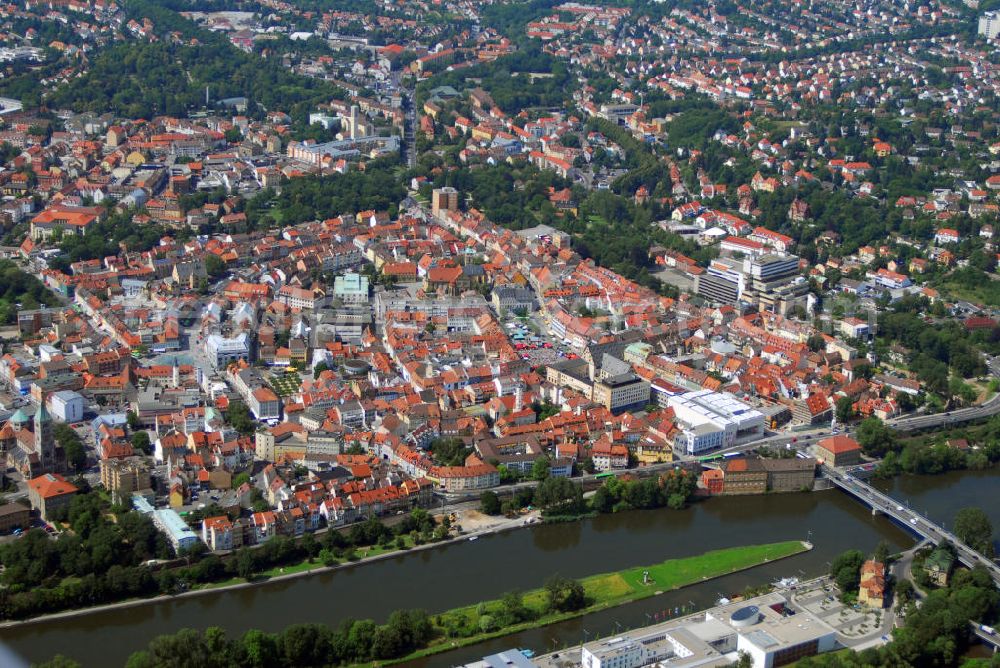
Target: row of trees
[(353, 641), (561, 496), (305, 645)]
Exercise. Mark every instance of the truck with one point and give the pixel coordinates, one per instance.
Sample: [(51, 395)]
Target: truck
[(987, 629)]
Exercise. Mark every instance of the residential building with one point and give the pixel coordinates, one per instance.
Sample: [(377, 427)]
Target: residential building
[(871, 592), (465, 478), (444, 199), (220, 535), (744, 475), (989, 24), (14, 515), (123, 478), (938, 566)]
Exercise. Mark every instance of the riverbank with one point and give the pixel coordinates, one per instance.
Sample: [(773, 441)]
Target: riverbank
[(606, 590), (281, 574)]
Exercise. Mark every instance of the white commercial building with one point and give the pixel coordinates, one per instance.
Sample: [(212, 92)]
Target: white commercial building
[(712, 420), (222, 351), (66, 406), (761, 627)]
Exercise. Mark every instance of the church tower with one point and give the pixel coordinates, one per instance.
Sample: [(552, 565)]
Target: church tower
[(45, 440)]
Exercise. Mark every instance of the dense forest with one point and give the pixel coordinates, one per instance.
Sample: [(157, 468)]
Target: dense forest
[(509, 80), (141, 80), (99, 561), (20, 291), (145, 80), (320, 197)]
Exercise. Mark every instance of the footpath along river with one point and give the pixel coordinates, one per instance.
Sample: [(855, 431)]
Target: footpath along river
[(466, 572)]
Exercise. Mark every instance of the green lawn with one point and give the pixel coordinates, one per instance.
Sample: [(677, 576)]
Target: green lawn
[(680, 572), (610, 589)]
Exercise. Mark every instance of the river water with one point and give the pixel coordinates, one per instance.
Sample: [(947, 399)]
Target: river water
[(467, 572)]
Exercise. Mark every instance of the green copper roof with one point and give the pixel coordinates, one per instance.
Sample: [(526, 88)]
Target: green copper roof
[(43, 414)]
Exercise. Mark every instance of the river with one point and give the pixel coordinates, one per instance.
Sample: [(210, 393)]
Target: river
[(466, 572)]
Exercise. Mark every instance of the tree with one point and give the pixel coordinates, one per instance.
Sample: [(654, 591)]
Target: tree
[(881, 553), (245, 564), (514, 609), (875, 437), (540, 468), (489, 503), (973, 527), (72, 445), (320, 368), (240, 418), (845, 569), (564, 595), (214, 265), (558, 492), (140, 441), (845, 409)]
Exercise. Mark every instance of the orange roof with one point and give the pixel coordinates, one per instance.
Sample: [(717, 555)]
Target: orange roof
[(51, 485), (839, 444)]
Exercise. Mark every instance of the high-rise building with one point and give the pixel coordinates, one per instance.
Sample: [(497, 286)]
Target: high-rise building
[(444, 199), (989, 24)]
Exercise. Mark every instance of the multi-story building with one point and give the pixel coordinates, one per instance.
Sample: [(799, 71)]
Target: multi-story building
[(66, 405), (351, 289), (712, 419), (744, 475), (49, 493), (125, 477), (790, 475), (621, 393), (989, 24), (14, 515), (444, 199), (219, 534), (839, 450), (223, 351), (464, 478)]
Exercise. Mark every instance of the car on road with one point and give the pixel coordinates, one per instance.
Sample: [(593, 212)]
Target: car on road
[(913, 520), (899, 507)]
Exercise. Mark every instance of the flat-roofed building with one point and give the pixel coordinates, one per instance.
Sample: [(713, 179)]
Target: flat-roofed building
[(757, 626), (713, 419)]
